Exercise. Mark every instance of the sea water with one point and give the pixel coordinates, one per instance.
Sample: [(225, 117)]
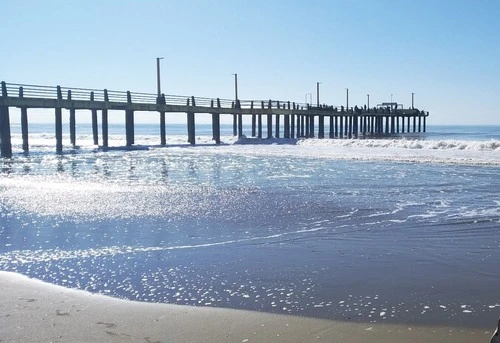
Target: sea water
[(403, 229)]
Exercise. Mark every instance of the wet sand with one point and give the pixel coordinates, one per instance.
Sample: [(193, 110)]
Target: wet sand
[(34, 311)]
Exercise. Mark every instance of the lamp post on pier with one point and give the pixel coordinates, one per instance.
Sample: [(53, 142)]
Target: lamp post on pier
[(368, 101), (158, 84), (391, 101), (308, 97), (347, 99), (412, 97), (317, 93), (235, 86)]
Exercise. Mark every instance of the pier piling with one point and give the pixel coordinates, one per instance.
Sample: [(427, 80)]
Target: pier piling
[(72, 122), (6, 143), (104, 122), (24, 122), (95, 134)]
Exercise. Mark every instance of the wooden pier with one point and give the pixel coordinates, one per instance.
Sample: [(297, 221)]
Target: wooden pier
[(298, 119)]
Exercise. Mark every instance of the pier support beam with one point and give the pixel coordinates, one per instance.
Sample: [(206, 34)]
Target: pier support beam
[(191, 128), (216, 124), (277, 134), (94, 122), (24, 123), (240, 125), (191, 124), (129, 122), (330, 133), (341, 126), (269, 126), (104, 122), (300, 126), (163, 133), (350, 127), (6, 144), (321, 127), (6, 147), (72, 123), (259, 126), (286, 134), (311, 128), (216, 127), (355, 125), (105, 136), (24, 128), (254, 121), (346, 126), (269, 122), (235, 125), (254, 124), (58, 122), (59, 145)]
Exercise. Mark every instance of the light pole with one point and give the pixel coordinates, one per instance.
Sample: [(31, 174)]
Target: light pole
[(347, 99), (412, 97), (368, 102), (158, 75), (235, 86), (391, 101), (310, 97), (317, 93)]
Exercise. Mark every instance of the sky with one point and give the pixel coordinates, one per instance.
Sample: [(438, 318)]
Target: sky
[(444, 51)]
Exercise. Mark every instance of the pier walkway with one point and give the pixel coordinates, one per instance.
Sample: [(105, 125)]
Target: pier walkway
[(298, 119)]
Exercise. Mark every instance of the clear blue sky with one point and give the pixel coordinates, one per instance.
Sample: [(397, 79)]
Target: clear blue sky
[(446, 52)]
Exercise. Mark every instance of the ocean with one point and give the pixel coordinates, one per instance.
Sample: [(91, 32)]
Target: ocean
[(403, 229)]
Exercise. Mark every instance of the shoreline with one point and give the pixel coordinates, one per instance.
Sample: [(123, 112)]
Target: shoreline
[(35, 311)]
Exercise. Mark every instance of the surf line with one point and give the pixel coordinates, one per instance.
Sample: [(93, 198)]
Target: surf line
[(31, 256)]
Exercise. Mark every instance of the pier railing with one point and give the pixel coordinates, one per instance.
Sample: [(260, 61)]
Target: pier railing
[(89, 94)]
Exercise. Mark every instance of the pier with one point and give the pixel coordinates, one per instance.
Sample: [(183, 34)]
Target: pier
[(283, 119)]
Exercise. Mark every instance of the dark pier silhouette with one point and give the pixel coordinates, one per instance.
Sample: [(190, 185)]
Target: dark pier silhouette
[(298, 119)]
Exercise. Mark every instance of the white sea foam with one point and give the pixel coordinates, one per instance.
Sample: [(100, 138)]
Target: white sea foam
[(404, 150), (30, 256)]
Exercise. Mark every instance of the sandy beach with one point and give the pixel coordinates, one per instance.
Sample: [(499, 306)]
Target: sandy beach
[(34, 311)]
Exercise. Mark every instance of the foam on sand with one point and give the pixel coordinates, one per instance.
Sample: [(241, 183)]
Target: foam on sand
[(34, 311)]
